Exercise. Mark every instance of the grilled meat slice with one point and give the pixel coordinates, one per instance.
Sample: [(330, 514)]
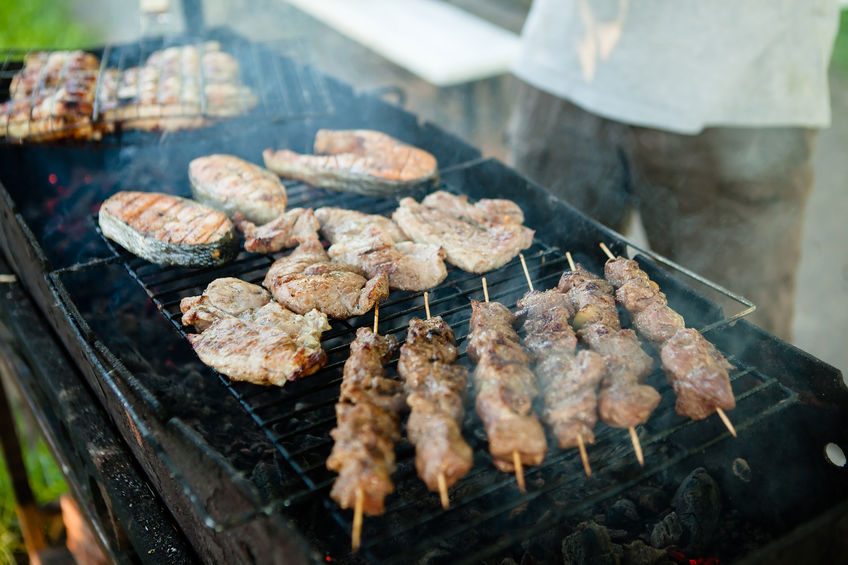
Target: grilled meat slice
[(569, 384), (307, 279), (505, 387), (231, 185), (287, 230), (408, 266), (622, 343), (623, 401), (435, 389), (475, 245), (223, 297), (367, 424), (362, 161), (699, 378), (168, 230), (338, 224)]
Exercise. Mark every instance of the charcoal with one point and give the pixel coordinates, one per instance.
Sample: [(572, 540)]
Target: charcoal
[(651, 499), (589, 545), (667, 532), (698, 505), (622, 512), (640, 553)]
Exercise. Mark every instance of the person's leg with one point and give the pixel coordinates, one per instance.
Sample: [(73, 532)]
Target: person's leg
[(575, 154), (729, 204)]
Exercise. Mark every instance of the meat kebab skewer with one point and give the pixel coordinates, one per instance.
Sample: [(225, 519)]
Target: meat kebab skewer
[(505, 388), (435, 392), (624, 402), (368, 416), (697, 371), (569, 380)]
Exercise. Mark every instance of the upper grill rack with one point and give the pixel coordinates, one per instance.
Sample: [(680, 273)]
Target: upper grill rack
[(488, 514), (277, 73)]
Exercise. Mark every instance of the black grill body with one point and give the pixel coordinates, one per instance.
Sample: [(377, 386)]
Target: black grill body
[(241, 467)]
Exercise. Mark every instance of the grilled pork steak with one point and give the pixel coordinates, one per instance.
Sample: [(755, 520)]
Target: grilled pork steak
[(339, 223), (287, 230), (231, 185), (223, 297), (362, 161), (167, 229), (473, 239)]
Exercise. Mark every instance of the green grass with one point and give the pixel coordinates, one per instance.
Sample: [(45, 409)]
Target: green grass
[(839, 62), (42, 23)]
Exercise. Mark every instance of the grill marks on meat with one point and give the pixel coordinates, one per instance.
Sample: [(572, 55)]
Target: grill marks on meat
[(287, 230), (338, 224), (435, 388), (231, 185), (248, 337), (168, 230), (361, 161), (307, 279), (697, 371), (505, 387), (474, 238), (367, 424), (623, 402), (569, 382)]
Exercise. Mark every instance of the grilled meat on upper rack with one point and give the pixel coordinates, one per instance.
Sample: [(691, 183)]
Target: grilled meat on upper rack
[(569, 382), (367, 424), (168, 230), (473, 239), (248, 337), (362, 161), (231, 185), (697, 371), (287, 230), (623, 401), (340, 223), (505, 387), (435, 388)]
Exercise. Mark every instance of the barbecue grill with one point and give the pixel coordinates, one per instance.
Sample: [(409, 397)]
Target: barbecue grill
[(239, 469)]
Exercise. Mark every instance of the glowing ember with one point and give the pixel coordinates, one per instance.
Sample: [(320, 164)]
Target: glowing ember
[(52, 178)]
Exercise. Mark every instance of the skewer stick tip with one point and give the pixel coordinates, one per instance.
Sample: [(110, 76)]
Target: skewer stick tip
[(427, 304), (607, 251), (570, 260), (376, 315), (356, 534), (526, 273), (584, 456), (485, 290), (519, 471), (727, 422), (637, 447), (443, 491)]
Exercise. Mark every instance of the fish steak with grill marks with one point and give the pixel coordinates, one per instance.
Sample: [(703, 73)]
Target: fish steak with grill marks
[(168, 230), (361, 161), (249, 337)]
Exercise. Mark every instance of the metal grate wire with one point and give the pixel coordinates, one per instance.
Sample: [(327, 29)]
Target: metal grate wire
[(488, 514)]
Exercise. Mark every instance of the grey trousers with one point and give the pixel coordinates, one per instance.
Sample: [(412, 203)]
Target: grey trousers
[(727, 203)]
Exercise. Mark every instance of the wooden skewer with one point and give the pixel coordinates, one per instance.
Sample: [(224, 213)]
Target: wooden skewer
[(356, 535), (376, 315), (526, 274), (516, 457), (583, 455), (443, 483), (634, 438), (721, 414)]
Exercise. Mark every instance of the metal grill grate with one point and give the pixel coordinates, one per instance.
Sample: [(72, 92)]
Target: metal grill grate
[(277, 73), (488, 514)]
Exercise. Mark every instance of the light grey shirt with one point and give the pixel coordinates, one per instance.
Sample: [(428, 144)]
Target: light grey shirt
[(682, 65)]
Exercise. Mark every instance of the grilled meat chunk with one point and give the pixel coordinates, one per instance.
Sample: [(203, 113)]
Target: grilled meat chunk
[(231, 185), (698, 374), (168, 230), (338, 224), (307, 279), (362, 161), (697, 371), (505, 387), (624, 402), (287, 230), (569, 383), (248, 337), (367, 424), (472, 239), (435, 389)]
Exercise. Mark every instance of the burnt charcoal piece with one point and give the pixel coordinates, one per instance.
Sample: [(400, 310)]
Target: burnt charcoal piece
[(667, 532), (622, 512), (651, 499), (640, 553), (698, 504), (589, 545)]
